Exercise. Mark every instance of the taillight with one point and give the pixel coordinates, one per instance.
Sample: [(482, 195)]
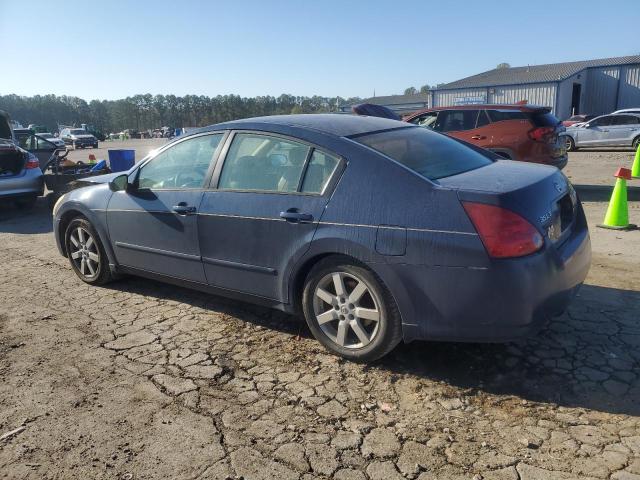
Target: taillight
[(32, 162), (504, 233), (542, 134)]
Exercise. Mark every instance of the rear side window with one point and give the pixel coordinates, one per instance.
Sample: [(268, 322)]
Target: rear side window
[(263, 163), (319, 171), (625, 120), (456, 120), (501, 115), (431, 155)]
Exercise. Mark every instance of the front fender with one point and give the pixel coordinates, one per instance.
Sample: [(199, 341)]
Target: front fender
[(91, 203)]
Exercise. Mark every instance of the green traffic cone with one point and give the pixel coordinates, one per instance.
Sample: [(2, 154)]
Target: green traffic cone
[(617, 216), (635, 169)]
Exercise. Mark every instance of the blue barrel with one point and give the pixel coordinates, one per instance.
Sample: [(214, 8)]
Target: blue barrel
[(121, 160)]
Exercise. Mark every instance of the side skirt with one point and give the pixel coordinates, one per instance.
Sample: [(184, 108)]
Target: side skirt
[(222, 292)]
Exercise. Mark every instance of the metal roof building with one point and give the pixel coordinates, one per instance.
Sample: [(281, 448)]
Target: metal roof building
[(398, 103), (589, 86)]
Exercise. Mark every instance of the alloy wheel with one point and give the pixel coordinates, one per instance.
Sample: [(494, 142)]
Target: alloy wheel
[(347, 310), (84, 252)]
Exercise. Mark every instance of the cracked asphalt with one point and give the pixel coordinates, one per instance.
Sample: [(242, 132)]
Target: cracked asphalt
[(140, 380)]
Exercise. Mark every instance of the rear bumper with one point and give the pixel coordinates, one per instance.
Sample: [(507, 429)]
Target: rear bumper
[(508, 300), (28, 183)]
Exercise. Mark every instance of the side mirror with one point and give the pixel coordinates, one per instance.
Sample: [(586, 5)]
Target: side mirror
[(119, 183)]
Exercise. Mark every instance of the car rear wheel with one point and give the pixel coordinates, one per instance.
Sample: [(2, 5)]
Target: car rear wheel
[(571, 145), (350, 311), (86, 253)]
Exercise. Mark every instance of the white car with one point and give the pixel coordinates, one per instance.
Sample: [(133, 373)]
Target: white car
[(52, 139), (614, 130)]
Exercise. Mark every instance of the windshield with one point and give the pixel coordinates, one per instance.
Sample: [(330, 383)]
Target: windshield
[(78, 131), (427, 153)]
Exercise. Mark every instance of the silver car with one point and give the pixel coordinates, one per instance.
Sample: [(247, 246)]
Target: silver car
[(614, 130), (21, 179)]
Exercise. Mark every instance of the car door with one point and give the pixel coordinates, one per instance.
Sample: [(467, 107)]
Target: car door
[(153, 226), (623, 129), (595, 133), (262, 213)]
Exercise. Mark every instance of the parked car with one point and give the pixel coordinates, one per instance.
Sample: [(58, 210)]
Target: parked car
[(49, 137), (577, 119), (518, 132), (619, 130), (78, 138), (20, 178), (375, 229), (41, 147)]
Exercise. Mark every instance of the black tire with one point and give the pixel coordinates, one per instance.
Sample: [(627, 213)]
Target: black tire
[(571, 144), (384, 335), (102, 273), (636, 143), (26, 203)]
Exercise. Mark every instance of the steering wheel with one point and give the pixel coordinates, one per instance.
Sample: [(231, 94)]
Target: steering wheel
[(190, 179)]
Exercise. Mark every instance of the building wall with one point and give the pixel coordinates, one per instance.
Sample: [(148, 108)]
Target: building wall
[(602, 90), (537, 94), (447, 98), (629, 93), (565, 91)]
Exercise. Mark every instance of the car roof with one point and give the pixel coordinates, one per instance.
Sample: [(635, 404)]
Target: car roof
[(522, 107), (340, 125)]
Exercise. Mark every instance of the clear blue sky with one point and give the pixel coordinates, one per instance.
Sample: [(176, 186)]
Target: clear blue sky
[(111, 49)]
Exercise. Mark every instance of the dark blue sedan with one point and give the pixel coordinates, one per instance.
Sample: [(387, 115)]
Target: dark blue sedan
[(376, 230)]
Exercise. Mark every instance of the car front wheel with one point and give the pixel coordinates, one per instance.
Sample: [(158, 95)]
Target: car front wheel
[(571, 145), (86, 253), (350, 311)]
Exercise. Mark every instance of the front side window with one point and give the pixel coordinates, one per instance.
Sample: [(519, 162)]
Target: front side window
[(601, 122), (431, 155), (456, 120), (263, 163), (181, 166)]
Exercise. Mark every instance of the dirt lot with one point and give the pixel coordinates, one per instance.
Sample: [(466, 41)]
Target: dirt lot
[(141, 380)]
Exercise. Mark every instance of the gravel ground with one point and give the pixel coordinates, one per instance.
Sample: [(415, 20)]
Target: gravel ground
[(597, 166), (140, 380)]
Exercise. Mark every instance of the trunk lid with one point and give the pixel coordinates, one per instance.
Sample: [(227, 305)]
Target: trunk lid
[(540, 194), (12, 159), (5, 125)]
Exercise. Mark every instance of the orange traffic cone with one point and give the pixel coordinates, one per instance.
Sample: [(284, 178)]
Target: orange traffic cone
[(617, 216)]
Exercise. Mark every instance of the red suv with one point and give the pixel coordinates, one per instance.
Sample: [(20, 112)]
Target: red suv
[(518, 132)]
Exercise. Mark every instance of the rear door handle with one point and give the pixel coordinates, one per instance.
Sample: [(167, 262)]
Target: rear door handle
[(183, 209), (292, 215), (478, 137)]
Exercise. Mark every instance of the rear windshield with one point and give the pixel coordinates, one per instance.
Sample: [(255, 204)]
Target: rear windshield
[(430, 154), (78, 132), (544, 119)]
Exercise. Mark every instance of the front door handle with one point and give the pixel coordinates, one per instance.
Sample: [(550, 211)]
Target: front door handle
[(478, 137), (293, 215), (183, 209)]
